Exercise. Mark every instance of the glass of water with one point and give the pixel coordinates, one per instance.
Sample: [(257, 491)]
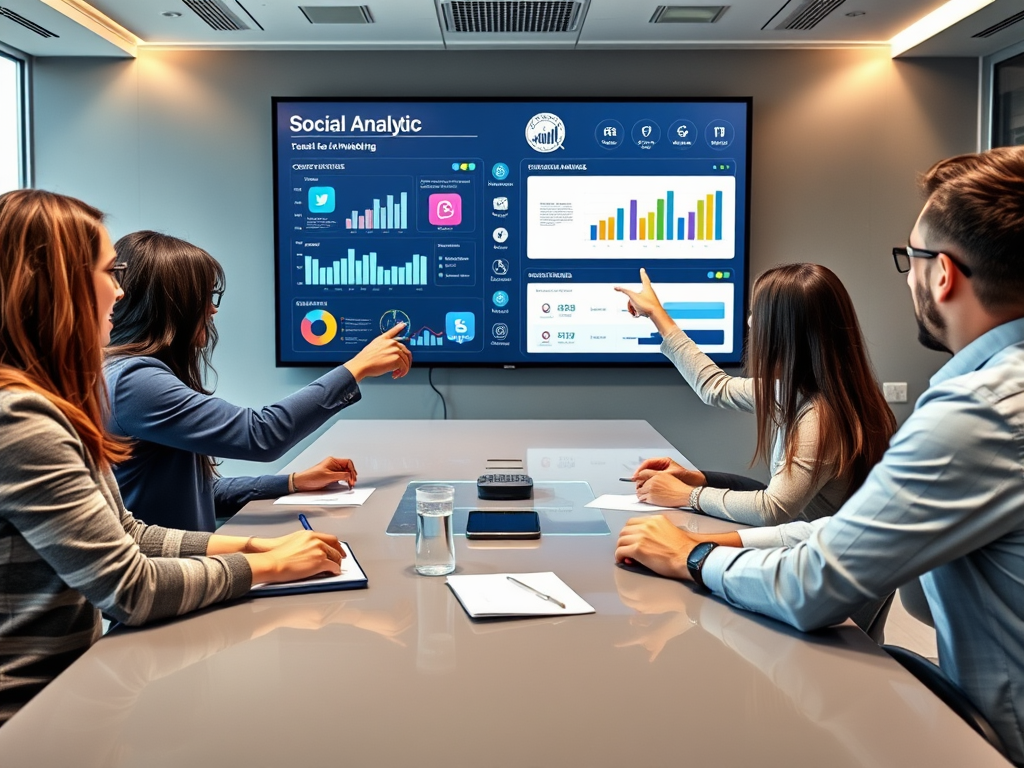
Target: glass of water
[(435, 543)]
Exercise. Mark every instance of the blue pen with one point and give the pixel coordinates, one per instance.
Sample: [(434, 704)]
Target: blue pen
[(305, 522)]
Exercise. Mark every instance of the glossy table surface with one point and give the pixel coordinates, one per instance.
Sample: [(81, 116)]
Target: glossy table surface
[(398, 675)]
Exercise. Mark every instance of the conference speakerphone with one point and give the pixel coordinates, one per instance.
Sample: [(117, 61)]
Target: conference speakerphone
[(504, 487)]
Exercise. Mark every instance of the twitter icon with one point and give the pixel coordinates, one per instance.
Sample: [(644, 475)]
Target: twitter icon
[(321, 199)]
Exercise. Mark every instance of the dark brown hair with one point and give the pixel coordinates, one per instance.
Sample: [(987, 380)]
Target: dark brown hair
[(806, 345), (976, 209), (49, 342), (166, 309)]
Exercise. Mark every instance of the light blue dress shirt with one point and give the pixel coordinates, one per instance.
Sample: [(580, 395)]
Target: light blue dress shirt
[(946, 501)]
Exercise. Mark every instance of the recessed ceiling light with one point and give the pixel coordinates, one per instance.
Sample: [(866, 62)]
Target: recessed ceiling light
[(171, 14), (688, 14), (945, 16), (852, 14)]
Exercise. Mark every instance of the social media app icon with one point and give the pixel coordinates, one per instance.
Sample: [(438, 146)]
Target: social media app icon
[(445, 209), (499, 171), (499, 331), (321, 199), (500, 235), (460, 327), (499, 267), (501, 203), (500, 298)]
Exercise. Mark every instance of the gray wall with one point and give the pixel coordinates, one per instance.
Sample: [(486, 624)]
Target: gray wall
[(181, 142)]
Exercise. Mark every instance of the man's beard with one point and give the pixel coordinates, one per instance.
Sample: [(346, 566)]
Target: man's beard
[(926, 310)]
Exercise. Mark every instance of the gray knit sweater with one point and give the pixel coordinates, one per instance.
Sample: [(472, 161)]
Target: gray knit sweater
[(69, 549), (790, 494)]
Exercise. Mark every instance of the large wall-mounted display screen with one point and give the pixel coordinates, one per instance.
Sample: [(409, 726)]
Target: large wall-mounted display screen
[(497, 229)]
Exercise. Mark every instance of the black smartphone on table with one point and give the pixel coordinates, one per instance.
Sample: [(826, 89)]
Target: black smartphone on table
[(518, 524)]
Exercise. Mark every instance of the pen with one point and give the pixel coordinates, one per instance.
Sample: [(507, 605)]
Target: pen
[(305, 522), (537, 592), (627, 479)]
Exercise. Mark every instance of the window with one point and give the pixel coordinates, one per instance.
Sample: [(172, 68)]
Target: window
[(1008, 102), (12, 135)]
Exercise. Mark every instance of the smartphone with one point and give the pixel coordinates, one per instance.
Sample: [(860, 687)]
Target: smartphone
[(521, 524)]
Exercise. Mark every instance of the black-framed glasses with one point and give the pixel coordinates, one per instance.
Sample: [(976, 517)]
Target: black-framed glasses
[(215, 298), (902, 254), (117, 272)]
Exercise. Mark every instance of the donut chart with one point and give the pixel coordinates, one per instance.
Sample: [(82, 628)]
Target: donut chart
[(330, 329)]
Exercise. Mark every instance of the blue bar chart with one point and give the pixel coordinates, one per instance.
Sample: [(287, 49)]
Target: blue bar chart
[(425, 337), (365, 270), (389, 212)]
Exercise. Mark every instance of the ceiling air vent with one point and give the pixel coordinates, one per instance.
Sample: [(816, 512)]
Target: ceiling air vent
[(17, 18), (1009, 21), (510, 16), (337, 14), (809, 14), (216, 14), (688, 14)]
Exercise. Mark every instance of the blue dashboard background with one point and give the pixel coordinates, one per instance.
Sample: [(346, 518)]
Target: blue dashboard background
[(322, 176)]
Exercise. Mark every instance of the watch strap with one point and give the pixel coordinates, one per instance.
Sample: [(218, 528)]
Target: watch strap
[(695, 561)]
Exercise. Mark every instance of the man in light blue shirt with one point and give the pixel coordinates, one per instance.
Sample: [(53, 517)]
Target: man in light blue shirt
[(946, 502)]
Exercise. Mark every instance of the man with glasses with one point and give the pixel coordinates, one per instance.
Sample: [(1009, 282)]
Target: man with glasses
[(946, 502)]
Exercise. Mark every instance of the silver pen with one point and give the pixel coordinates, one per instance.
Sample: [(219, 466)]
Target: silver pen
[(537, 592)]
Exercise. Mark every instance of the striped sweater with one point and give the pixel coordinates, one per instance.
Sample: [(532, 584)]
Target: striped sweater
[(69, 550)]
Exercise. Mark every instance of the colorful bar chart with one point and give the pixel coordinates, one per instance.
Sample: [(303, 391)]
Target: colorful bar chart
[(703, 222), (392, 213), (426, 338), (364, 270)]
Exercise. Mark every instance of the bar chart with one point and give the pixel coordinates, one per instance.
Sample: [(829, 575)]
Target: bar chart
[(641, 217), (386, 212), (426, 337), (364, 269), (702, 222)]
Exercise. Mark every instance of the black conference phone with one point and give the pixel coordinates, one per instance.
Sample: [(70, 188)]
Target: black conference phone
[(504, 486)]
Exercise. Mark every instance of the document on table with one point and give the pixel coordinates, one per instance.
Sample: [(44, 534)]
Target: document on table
[(348, 497), (627, 502), (351, 577), (489, 595)]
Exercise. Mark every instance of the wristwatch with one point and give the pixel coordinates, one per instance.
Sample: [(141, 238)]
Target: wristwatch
[(695, 561)]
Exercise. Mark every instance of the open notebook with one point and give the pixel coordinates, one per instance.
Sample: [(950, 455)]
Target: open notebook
[(351, 577)]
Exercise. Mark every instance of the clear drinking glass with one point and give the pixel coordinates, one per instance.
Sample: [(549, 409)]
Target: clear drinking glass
[(435, 542)]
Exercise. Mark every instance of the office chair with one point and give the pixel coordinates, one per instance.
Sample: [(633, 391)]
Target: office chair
[(871, 617), (949, 692)]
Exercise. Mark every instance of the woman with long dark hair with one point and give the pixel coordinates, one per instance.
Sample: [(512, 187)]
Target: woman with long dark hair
[(161, 345), (822, 421), (68, 547)]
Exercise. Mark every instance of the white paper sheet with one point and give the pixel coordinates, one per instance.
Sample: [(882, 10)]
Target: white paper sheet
[(350, 572), (492, 594), (626, 502), (348, 497)]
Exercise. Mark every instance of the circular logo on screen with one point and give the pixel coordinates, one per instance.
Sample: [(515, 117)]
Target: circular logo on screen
[(324, 320), (545, 132)]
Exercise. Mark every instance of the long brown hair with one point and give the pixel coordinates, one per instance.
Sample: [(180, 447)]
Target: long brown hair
[(49, 342), (166, 309), (806, 345)]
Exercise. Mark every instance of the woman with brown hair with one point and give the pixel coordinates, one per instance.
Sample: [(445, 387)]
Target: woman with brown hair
[(68, 547), (160, 349), (822, 422)]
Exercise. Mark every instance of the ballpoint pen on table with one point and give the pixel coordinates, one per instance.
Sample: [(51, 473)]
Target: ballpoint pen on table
[(305, 522), (537, 592)]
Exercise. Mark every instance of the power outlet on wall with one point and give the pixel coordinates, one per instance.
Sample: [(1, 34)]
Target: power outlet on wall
[(895, 391)]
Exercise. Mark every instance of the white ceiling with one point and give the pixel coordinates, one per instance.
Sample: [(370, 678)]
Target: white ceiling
[(419, 24)]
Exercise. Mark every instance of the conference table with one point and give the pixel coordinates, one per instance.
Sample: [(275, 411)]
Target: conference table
[(398, 675)]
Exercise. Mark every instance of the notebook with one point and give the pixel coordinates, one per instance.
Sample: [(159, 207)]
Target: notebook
[(351, 577), (490, 595)]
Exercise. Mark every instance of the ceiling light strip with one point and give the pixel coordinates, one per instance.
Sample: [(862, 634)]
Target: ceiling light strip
[(942, 18), (97, 22)]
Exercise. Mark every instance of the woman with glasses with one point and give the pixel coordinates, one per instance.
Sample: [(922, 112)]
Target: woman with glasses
[(68, 547), (822, 422), (161, 345)]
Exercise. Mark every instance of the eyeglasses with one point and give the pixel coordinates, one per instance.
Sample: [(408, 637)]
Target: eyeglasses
[(215, 298), (117, 272), (902, 255)]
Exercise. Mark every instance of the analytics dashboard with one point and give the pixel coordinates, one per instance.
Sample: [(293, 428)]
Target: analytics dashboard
[(497, 230)]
